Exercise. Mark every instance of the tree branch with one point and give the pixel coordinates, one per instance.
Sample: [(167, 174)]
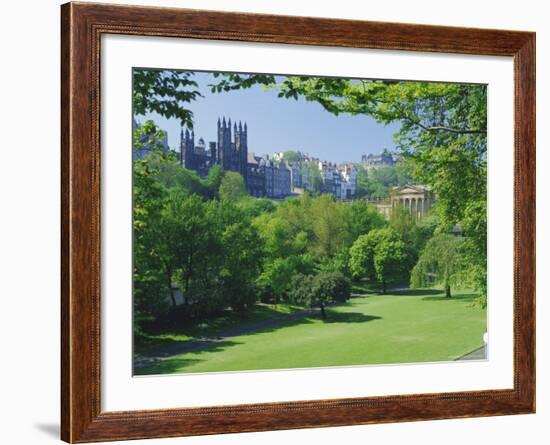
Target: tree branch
[(441, 127)]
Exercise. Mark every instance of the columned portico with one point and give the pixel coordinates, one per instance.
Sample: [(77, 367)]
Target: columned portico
[(417, 199)]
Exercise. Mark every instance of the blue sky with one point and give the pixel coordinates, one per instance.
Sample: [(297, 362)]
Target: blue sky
[(276, 124)]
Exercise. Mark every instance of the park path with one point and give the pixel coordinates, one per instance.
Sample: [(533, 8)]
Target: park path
[(478, 354), (152, 357)]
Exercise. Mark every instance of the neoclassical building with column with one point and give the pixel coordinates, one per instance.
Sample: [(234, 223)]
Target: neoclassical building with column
[(417, 199)]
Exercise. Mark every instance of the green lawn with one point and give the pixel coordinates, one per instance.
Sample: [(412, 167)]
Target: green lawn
[(166, 337), (403, 327)]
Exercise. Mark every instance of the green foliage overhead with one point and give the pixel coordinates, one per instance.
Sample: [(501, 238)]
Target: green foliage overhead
[(166, 92)]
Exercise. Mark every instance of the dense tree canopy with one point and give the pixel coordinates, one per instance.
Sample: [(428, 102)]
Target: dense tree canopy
[(320, 290), (379, 255), (222, 248), (442, 141)]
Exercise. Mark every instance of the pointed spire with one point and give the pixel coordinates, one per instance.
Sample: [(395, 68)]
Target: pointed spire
[(245, 128), (186, 133), (240, 126), (224, 122), (219, 122), (229, 123)]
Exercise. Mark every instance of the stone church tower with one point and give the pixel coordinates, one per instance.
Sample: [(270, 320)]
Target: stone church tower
[(232, 149), (187, 149)]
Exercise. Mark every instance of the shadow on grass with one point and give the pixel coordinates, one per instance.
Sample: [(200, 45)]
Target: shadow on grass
[(461, 297), (416, 292), (349, 317), (225, 323), (175, 364)]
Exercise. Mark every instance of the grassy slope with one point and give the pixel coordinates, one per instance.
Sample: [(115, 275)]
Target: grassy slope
[(412, 326)]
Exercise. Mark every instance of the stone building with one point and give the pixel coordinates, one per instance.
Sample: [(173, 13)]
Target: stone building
[(384, 159), (348, 182), (278, 178), (417, 199), (255, 177), (263, 177), (231, 150)]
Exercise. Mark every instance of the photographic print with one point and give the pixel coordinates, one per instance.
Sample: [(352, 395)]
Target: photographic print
[(288, 221)]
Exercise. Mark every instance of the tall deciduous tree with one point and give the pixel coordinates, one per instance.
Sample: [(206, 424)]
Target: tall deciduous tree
[(189, 233), (150, 286), (380, 255), (441, 262), (328, 225)]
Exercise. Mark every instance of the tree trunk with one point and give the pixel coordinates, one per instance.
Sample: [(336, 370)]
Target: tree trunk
[(323, 314), (186, 297), (448, 291), (383, 286), (172, 296)]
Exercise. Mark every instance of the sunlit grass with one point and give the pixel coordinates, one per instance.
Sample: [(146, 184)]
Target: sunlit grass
[(401, 327)]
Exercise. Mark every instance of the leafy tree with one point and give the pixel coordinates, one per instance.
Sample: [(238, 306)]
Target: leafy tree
[(474, 249), (390, 257), (277, 236), (239, 254), (164, 92), (232, 187), (376, 183), (320, 290), (254, 207), (380, 255), (314, 180), (360, 220), (189, 235), (442, 135), (441, 262), (148, 136), (363, 188), (361, 261), (275, 279), (328, 225), (214, 180), (297, 214), (172, 175), (339, 262), (150, 287), (291, 156)]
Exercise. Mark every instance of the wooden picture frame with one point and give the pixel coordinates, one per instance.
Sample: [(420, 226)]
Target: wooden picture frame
[(82, 25)]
